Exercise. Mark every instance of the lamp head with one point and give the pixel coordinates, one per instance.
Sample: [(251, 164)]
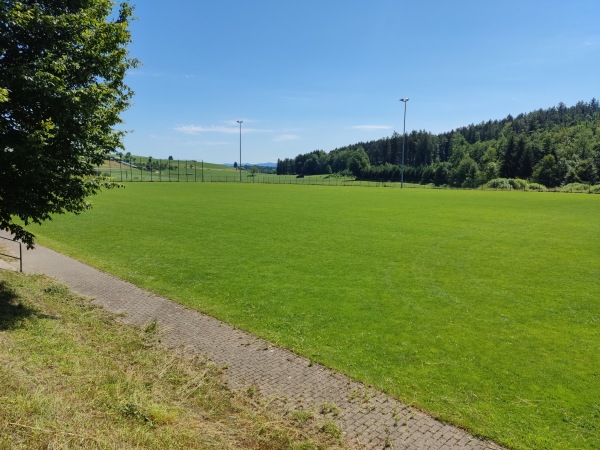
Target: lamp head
[(404, 100)]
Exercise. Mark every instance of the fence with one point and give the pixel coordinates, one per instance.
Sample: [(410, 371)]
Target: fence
[(20, 257), (196, 172), (192, 171)]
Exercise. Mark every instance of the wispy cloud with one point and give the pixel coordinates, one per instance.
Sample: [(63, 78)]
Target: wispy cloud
[(198, 129), (371, 127), (229, 127), (286, 138)]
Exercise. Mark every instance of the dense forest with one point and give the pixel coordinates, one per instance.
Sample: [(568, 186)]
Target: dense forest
[(550, 147)]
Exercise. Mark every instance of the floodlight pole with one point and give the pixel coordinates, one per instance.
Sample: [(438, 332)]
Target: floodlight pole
[(405, 101), (240, 166)]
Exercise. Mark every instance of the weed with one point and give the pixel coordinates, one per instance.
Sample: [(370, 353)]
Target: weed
[(151, 328), (56, 289), (329, 408), (252, 391), (301, 415), (360, 394), (131, 410), (332, 429)]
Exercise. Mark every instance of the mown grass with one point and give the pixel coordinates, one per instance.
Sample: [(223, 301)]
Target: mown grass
[(71, 376), (480, 307)]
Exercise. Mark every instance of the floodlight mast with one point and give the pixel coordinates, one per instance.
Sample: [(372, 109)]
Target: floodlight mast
[(405, 101), (240, 166)]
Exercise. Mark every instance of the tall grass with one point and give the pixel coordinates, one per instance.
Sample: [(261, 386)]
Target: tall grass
[(480, 307), (72, 377)]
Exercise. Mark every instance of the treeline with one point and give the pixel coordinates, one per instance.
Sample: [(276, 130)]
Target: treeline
[(552, 147)]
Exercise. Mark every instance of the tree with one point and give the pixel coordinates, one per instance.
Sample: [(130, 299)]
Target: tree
[(586, 172), (441, 173), (526, 163), (547, 172), (358, 162), (311, 165), (510, 161), (465, 174), (62, 69)]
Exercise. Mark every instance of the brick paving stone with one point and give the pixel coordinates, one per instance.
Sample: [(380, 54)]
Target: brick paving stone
[(277, 373)]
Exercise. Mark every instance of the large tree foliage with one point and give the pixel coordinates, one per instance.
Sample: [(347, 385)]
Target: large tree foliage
[(62, 69)]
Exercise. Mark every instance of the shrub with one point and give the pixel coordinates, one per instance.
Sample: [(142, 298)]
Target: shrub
[(499, 183), (517, 183), (575, 187), (536, 187), (595, 189), (508, 183)]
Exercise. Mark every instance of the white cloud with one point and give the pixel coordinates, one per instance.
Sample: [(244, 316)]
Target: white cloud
[(197, 129), (230, 128), (371, 127), (286, 137)]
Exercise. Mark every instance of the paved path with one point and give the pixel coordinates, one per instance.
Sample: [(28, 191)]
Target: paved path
[(368, 418)]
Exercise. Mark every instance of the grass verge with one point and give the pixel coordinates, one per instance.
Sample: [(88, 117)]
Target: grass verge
[(71, 376)]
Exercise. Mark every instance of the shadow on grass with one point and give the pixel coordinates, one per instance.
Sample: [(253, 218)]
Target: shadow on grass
[(12, 311)]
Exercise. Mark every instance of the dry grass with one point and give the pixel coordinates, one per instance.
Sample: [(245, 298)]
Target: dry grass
[(71, 376)]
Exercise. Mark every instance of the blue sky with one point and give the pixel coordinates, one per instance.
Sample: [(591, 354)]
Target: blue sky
[(306, 75)]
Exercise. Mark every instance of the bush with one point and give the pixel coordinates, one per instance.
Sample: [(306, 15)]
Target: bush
[(499, 183), (536, 187), (517, 184), (595, 189), (508, 183), (575, 187)]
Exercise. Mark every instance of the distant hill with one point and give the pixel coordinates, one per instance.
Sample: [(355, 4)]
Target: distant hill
[(267, 164)]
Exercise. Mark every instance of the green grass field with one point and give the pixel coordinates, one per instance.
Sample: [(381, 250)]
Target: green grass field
[(480, 307)]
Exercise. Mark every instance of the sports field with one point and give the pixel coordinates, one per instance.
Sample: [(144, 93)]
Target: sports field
[(480, 307)]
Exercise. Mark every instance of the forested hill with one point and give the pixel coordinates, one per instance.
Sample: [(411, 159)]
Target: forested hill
[(552, 147)]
